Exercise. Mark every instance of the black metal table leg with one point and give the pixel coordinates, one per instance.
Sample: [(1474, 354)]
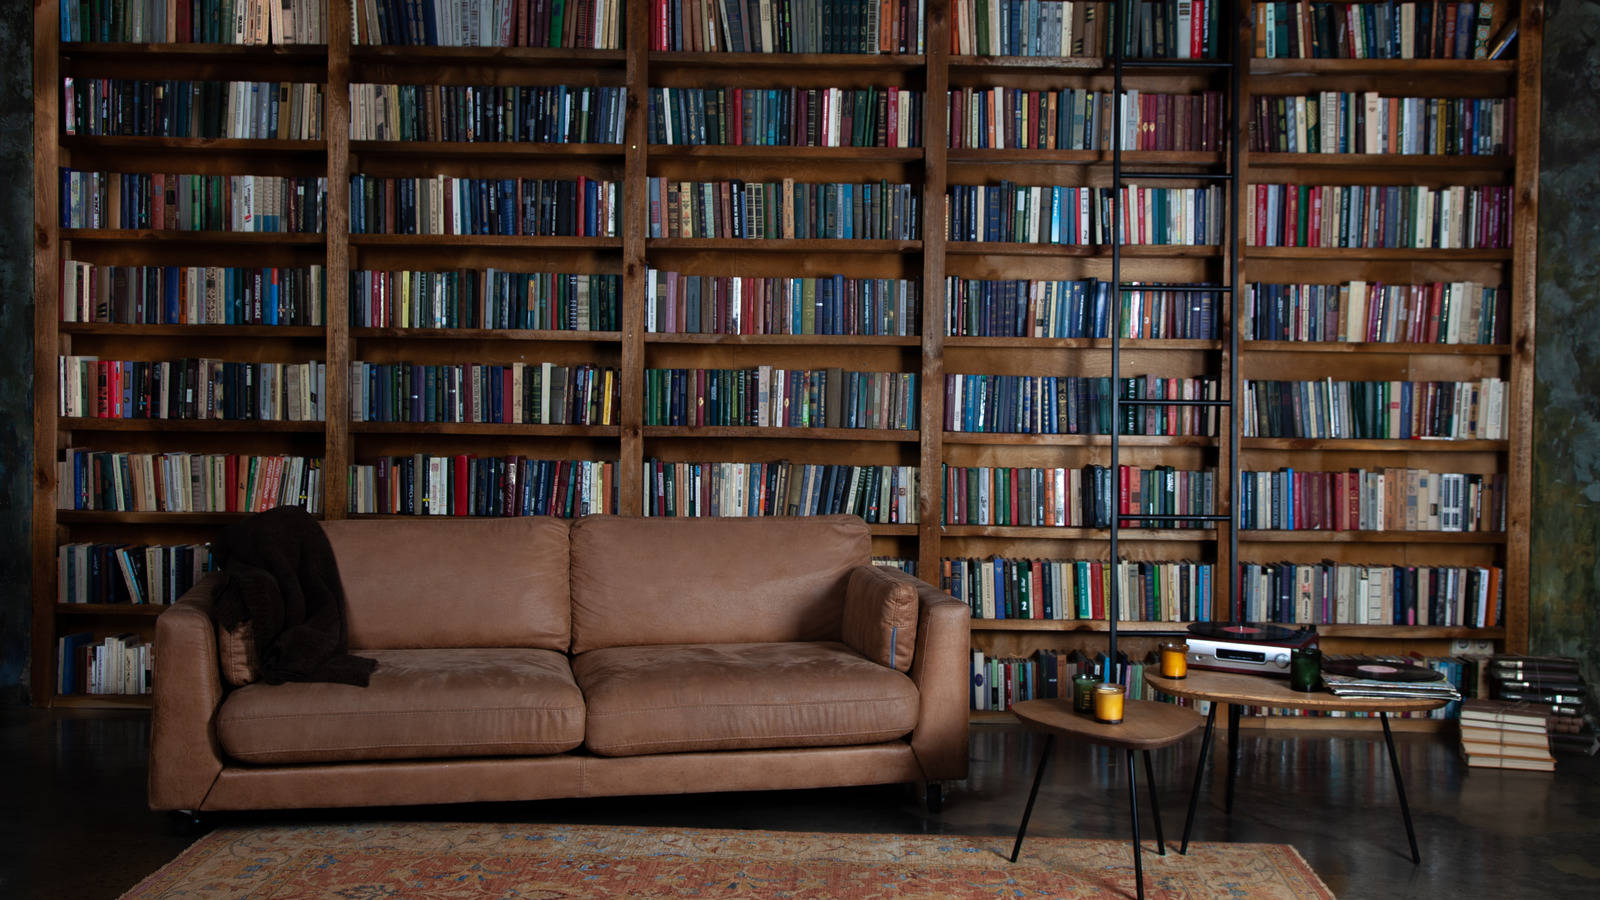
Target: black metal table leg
[(1027, 813), (1400, 786), (1133, 809), (1199, 776), (1155, 802), (1233, 751)]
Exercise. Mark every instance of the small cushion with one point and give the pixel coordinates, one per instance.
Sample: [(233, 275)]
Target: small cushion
[(687, 697), (880, 617), (236, 654), (420, 704)]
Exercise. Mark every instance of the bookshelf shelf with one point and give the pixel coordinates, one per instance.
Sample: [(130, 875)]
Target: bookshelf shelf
[(1073, 625), (1091, 64), (785, 340), (1079, 440), (962, 342), (131, 610), (214, 146), (1411, 631), (671, 61), (1455, 68), (785, 245), (409, 57), (1376, 347), (254, 332), (509, 150), (105, 701), (525, 430), (485, 334), (1139, 158), (1353, 254), (185, 238), (1420, 445), (107, 517), (809, 154), (1306, 536), (1058, 533), (314, 57), (511, 241), (878, 435), (189, 425), (1093, 251), (1368, 161)]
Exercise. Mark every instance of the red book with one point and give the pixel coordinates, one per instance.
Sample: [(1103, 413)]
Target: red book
[(460, 499), (230, 483), (1123, 495), (1261, 215)]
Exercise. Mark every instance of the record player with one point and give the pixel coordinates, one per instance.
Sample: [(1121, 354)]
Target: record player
[(1251, 647)]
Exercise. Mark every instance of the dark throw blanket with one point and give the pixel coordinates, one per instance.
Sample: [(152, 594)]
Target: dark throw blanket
[(283, 580)]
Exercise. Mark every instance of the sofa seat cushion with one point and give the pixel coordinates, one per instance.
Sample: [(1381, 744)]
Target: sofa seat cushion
[(420, 704), (679, 698)]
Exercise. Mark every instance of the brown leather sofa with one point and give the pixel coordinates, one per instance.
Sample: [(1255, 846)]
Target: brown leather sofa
[(531, 658)]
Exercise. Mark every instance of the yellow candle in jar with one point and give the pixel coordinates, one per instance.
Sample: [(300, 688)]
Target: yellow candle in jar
[(1174, 660), (1108, 703)]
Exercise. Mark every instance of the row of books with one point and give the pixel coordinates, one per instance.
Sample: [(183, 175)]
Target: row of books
[(192, 295), (1080, 589), (186, 482), (1447, 410), (787, 26), (153, 574), (1438, 312), (1332, 593), (908, 566), (1426, 29), (998, 683), (547, 114), (195, 21), (1448, 682), (515, 393), (786, 210), (1459, 217), (1030, 28), (676, 303), (1171, 29), (1368, 122), (485, 298), (1079, 309), (441, 204), (1391, 499), (1078, 119), (465, 485), (878, 494), (276, 203), (787, 117), (1547, 685), (1020, 213), (283, 111), (1089, 497), (190, 389), (115, 664), (583, 24), (769, 397), (1074, 404)]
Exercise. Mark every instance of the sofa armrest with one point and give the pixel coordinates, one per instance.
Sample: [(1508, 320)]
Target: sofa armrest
[(185, 757), (941, 668)]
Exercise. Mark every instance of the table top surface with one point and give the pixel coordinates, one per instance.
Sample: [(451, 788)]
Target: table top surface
[(1259, 690), (1145, 725)]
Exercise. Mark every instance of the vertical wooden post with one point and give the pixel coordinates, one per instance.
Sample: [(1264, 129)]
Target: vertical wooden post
[(47, 255), (337, 452), (931, 417), (635, 222)]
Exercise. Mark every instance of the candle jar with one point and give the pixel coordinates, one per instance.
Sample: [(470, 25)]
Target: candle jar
[(1083, 694), (1174, 659), (1108, 703), (1305, 669)]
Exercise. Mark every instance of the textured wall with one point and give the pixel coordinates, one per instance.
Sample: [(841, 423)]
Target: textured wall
[(16, 341), (1565, 614)]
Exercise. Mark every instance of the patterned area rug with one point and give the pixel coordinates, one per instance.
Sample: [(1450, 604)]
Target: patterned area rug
[(445, 860)]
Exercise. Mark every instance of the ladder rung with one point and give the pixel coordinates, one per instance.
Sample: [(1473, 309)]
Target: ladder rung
[(1175, 176), (1169, 518), (1131, 401), (1176, 63), (1175, 288)]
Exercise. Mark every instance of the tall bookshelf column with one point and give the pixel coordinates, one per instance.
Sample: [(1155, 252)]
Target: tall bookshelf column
[(46, 286), (336, 131), (934, 153), (635, 225)]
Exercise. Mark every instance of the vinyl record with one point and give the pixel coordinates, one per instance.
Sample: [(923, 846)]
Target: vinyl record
[(1376, 669), (1247, 632)]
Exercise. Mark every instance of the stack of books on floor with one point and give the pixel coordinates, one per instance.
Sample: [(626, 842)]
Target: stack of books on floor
[(1553, 687), (1385, 676), (1497, 734)]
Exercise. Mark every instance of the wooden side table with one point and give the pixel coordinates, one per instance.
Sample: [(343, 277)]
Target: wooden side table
[(1146, 725), (1238, 690)]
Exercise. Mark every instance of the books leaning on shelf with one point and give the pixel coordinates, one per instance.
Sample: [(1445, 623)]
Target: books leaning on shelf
[(1034, 214), (783, 210), (1389, 499), (878, 494), (1089, 497), (1369, 122), (191, 389), (128, 573), (998, 683), (1379, 216), (546, 114), (1428, 29), (116, 664), (1381, 410), (1079, 119), (1079, 309), (483, 299), (580, 24), (191, 295), (1328, 593), (465, 485), (786, 117), (1460, 312), (1497, 734), (512, 394), (197, 22), (290, 204), (185, 482), (830, 305), (1076, 589), (787, 26), (284, 111), (441, 204), (1072, 404), (768, 397)]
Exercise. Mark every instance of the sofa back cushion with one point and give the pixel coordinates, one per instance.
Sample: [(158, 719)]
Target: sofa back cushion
[(412, 584), (711, 581)]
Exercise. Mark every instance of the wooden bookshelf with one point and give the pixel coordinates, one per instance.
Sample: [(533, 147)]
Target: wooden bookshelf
[(928, 259)]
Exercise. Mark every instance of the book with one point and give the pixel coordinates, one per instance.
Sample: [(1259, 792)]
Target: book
[(1510, 762)]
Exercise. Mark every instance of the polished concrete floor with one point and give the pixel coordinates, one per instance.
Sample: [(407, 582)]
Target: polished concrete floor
[(73, 820)]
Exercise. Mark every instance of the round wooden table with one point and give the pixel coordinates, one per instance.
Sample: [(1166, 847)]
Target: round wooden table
[(1239, 690), (1146, 725)]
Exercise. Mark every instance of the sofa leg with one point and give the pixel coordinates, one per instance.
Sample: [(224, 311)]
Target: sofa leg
[(188, 822), (933, 792)]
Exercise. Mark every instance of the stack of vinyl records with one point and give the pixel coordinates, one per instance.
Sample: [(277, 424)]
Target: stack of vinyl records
[(1496, 734), (1384, 676), (1553, 687)]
